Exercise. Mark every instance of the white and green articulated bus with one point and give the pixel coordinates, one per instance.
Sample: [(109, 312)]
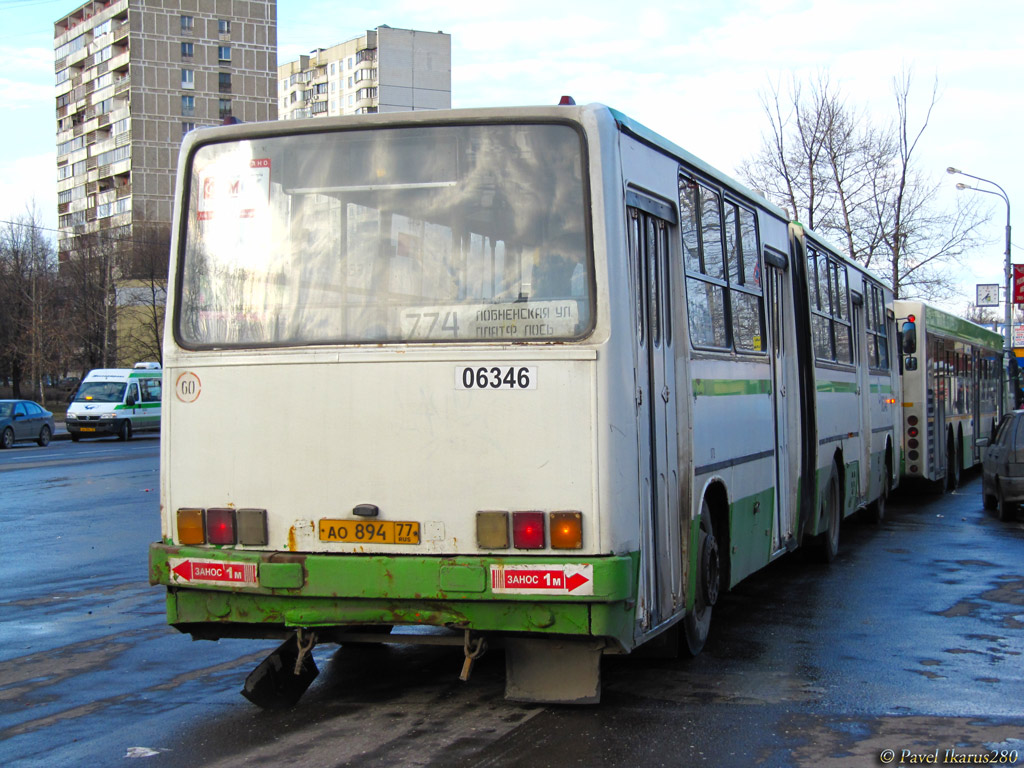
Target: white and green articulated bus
[(954, 388), (533, 378)]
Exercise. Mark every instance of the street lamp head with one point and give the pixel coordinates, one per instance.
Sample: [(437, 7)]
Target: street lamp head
[(951, 169), (961, 185)]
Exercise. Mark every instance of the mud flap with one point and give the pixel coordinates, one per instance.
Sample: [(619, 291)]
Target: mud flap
[(280, 680), (553, 671)]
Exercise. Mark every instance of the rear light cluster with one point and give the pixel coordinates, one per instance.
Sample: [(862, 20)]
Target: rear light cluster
[(222, 526), (912, 443), (529, 530)]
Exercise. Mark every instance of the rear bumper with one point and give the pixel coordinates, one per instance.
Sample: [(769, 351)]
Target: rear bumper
[(292, 590)]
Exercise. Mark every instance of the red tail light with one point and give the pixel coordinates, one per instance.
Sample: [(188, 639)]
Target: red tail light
[(220, 526), (528, 530)]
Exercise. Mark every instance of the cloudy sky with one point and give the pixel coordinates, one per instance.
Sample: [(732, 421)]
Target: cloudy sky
[(692, 70)]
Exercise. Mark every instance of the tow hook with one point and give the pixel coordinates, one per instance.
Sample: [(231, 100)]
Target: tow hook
[(279, 681), (474, 648)]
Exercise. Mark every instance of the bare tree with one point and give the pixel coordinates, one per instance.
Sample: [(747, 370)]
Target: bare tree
[(29, 327), (142, 296), (856, 183), (983, 315), (88, 273)]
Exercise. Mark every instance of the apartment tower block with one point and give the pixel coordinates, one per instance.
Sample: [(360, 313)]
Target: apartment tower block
[(384, 70), (132, 78)]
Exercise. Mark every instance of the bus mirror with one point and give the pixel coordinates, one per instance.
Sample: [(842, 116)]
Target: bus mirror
[(908, 338), (910, 363)]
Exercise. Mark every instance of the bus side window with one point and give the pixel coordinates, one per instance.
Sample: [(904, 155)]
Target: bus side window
[(151, 390), (700, 225)]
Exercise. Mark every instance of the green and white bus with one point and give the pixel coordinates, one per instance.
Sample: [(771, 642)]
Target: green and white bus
[(954, 386), (536, 378)]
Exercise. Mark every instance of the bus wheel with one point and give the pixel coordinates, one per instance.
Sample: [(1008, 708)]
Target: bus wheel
[(709, 577), (828, 543), (125, 432)]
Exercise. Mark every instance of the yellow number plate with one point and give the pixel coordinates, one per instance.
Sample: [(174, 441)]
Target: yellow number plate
[(370, 532), (87, 429)]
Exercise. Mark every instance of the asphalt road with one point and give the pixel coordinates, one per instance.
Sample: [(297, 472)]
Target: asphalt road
[(911, 641)]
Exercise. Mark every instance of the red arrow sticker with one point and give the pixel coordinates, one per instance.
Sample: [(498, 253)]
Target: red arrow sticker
[(193, 571), (546, 579)]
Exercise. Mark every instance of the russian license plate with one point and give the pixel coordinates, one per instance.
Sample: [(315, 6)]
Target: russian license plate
[(87, 429), (370, 532)]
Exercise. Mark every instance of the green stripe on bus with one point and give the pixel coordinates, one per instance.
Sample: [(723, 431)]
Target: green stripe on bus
[(883, 388), (847, 387), (720, 387)]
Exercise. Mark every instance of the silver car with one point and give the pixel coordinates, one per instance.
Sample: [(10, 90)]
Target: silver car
[(24, 420), (1002, 467)]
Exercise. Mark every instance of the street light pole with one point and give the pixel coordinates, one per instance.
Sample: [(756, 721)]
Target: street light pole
[(1008, 317)]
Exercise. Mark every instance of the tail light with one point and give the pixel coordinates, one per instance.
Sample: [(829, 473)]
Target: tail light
[(566, 530), (252, 527), (220, 526), (528, 530), (190, 526), (492, 530)]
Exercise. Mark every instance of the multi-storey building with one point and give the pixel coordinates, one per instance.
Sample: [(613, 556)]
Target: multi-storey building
[(133, 77), (384, 70)]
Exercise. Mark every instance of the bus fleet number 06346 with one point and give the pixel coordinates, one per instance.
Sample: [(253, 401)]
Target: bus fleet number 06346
[(495, 377)]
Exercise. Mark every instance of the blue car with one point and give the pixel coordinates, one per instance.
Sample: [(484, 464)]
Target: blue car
[(24, 420)]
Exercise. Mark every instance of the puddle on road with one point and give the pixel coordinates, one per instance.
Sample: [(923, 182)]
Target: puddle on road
[(1008, 593), (841, 742)]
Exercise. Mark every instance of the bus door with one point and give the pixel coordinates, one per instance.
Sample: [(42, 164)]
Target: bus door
[(661, 579), (864, 396), (975, 361), (778, 316), (937, 384)]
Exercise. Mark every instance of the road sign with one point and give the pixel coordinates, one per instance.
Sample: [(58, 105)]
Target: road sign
[(193, 571), (551, 579)]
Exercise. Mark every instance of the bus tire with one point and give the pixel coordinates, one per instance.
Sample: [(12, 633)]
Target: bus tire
[(125, 432), (697, 622), (831, 515)]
